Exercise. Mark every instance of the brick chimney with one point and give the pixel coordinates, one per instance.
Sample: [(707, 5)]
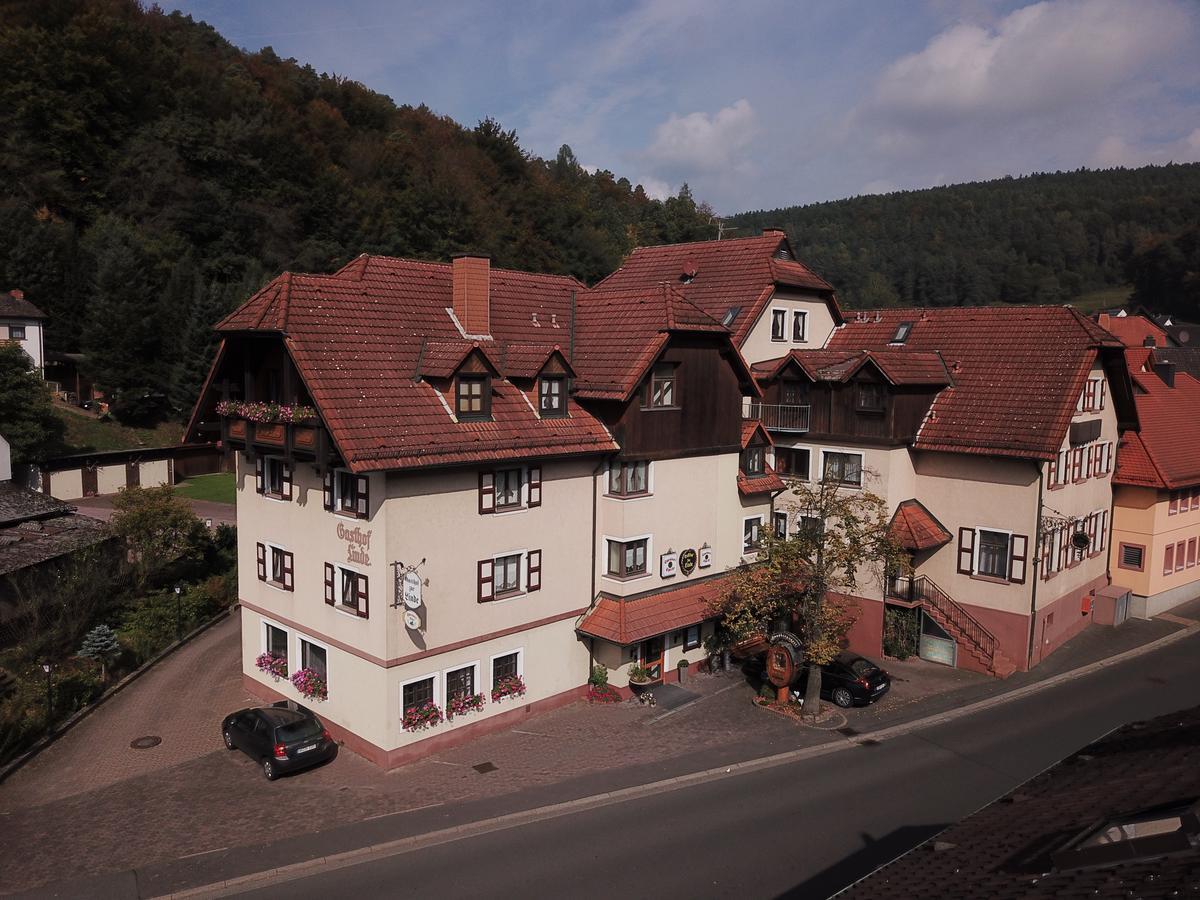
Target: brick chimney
[(472, 285), (774, 231), (1165, 371), (17, 294)]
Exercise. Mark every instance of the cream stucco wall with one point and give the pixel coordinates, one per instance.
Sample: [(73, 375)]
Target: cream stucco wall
[(65, 485), (1141, 517), (33, 342), (692, 501), (617, 659), (758, 344)]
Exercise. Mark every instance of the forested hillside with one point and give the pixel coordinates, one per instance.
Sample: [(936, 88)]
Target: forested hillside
[(152, 175), (1037, 239)]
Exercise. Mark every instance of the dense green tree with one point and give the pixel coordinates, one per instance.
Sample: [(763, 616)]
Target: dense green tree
[(1165, 272), (27, 419)]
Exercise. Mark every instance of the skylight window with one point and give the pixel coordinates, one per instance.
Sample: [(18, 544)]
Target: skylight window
[(903, 330), (730, 315)]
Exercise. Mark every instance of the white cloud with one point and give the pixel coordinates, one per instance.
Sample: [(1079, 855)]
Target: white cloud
[(699, 142), (655, 188), (1039, 59), (1115, 151)]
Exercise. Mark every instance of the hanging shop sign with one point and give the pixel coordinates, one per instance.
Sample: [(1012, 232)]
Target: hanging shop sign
[(687, 562), (705, 557), (668, 565)]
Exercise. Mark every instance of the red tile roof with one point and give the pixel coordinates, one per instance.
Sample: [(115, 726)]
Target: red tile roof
[(752, 427), (1132, 331), (916, 528), (908, 367), (619, 334), (766, 483), (1164, 452), (356, 338), (1017, 372), (633, 619), (724, 274)]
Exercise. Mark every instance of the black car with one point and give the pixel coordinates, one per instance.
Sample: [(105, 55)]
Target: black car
[(282, 738), (850, 680)]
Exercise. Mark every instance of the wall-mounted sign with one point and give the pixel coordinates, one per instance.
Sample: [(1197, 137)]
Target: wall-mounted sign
[(669, 565), (412, 620), (358, 542), (705, 557), (410, 589), (687, 562)]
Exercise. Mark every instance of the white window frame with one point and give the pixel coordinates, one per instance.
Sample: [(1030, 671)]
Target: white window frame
[(862, 467), (522, 503), (351, 513), (302, 639), (522, 576), (270, 581), (520, 651), (979, 546), (264, 644), (810, 450), (648, 538), (782, 313), (629, 498), (445, 694), (266, 487), (683, 643), (747, 551), (435, 694), (337, 588), (802, 315)]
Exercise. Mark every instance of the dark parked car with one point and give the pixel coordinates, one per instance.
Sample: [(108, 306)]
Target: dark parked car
[(282, 738), (850, 680)]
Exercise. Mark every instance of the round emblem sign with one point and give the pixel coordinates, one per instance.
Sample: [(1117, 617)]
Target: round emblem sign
[(412, 620), (781, 665), (687, 562)]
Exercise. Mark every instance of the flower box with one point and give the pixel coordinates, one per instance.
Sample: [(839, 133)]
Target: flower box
[(304, 436), (508, 686), (419, 718), (310, 684), (273, 664), (460, 706), (269, 434), (266, 412), (237, 428)]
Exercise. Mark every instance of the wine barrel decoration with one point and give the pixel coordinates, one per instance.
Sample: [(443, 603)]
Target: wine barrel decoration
[(782, 664)]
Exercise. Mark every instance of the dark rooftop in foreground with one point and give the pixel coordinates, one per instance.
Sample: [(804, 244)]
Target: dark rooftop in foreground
[(35, 528), (1118, 819)]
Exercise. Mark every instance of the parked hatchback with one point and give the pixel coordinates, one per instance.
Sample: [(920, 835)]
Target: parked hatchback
[(851, 680), (282, 738)]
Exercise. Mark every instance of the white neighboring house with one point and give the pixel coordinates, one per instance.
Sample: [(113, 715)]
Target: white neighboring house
[(5, 460), (23, 323)]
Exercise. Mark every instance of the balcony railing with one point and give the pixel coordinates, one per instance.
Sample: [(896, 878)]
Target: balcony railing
[(780, 416)]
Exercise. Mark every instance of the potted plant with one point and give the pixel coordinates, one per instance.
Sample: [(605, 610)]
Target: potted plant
[(683, 670), (639, 678)]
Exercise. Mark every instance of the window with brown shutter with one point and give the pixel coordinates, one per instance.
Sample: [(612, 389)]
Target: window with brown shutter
[(966, 551), (1018, 558), (507, 486), (533, 577), (363, 597), (1100, 386), (363, 491), (486, 569), (285, 481), (289, 568), (260, 475), (329, 574), (262, 561), (328, 490), (535, 485), (487, 493)]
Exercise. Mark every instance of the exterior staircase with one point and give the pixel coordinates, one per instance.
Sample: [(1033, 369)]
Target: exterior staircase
[(982, 650)]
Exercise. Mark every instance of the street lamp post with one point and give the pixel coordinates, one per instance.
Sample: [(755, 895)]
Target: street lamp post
[(46, 667), (178, 612)]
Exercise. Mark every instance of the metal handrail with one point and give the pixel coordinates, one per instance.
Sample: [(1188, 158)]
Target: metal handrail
[(781, 416), (921, 589)]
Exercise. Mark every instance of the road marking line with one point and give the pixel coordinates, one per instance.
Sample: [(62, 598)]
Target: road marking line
[(203, 852), (534, 733), (400, 846), (397, 812), (443, 762)]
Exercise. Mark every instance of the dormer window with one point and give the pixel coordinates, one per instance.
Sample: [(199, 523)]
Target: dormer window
[(752, 461), (552, 396), (473, 396), (903, 330)]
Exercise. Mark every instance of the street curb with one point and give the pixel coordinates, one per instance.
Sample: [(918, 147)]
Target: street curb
[(77, 717), (399, 846)]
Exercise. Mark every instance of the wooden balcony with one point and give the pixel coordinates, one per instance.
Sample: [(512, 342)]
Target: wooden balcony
[(780, 417), (308, 440)]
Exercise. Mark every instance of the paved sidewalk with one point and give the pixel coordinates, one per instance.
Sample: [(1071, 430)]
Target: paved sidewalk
[(117, 808), (101, 507)]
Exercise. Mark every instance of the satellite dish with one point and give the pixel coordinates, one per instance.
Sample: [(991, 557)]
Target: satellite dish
[(1080, 540)]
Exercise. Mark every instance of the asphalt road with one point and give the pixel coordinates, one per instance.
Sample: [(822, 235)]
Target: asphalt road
[(806, 829)]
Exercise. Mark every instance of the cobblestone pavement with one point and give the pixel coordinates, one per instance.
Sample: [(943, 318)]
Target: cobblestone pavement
[(116, 808)]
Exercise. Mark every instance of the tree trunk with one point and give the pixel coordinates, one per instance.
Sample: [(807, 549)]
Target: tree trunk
[(812, 692)]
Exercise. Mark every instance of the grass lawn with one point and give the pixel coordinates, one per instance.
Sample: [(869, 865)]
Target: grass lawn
[(87, 434), (1106, 298), (219, 488)]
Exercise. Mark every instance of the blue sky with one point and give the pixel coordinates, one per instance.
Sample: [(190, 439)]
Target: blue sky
[(760, 104)]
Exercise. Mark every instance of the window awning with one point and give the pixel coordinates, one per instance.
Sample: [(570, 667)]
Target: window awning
[(629, 620), (916, 528)]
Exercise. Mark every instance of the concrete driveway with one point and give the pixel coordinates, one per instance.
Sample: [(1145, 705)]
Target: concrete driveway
[(101, 507)]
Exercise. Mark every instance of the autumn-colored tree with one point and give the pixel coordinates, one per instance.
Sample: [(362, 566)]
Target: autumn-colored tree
[(803, 579)]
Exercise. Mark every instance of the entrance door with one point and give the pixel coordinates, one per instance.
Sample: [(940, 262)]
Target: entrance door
[(91, 481), (936, 645), (652, 657), (133, 474)]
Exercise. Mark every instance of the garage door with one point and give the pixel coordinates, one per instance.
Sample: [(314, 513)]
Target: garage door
[(936, 645)]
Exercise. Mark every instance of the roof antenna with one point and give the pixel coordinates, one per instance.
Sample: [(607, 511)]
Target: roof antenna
[(536, 323), (554, 320), (878, 316)]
